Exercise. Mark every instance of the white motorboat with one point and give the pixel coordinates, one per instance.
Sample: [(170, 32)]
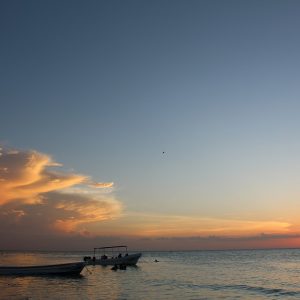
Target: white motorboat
[(58, 269), (113, 255)]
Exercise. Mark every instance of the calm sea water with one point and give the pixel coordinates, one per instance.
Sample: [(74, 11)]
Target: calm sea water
[(253, 274)]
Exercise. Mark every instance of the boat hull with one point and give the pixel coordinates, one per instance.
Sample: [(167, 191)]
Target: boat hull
[(129, 260), (59, 269)]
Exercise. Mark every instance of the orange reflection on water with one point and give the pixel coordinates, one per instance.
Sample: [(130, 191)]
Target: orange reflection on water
[(14, 258)]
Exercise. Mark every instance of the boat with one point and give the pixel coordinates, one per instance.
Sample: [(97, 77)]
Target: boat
[(113, 255), (58, 269)]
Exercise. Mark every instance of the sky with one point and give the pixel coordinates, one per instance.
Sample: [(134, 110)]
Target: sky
[(164, 125)]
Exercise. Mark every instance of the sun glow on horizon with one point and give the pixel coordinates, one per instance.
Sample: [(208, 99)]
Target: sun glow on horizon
[(37, 199)]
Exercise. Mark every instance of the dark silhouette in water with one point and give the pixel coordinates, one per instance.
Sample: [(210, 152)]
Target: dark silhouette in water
[(121, 267), (114, 268), (86, 258)]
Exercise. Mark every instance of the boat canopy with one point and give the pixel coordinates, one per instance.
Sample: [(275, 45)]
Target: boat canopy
[(111, 248)]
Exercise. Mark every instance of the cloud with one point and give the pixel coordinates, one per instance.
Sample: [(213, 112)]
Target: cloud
[(211, 242), (101, 184), (57, 212), (24, 175), (159, 225), (80, 209), (37, 199)]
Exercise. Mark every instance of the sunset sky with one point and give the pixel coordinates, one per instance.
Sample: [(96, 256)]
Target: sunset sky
[(165, 125)]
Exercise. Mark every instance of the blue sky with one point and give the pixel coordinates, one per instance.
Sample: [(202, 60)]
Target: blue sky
[(105, 87)]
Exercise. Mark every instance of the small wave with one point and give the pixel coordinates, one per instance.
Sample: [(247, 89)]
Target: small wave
[(264, 290), (244, 287)]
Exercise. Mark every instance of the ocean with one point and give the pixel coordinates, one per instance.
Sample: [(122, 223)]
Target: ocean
[(238, 274)]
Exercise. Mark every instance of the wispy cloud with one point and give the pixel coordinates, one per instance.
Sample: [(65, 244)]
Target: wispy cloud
[(158, 225), (101, 185)]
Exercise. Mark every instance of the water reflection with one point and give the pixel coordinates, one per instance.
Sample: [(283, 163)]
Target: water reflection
[(11, 258)]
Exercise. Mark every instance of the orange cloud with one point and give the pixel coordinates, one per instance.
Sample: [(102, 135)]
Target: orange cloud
[(156, 225), (82, 210), (34, 197), (25, 174)]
